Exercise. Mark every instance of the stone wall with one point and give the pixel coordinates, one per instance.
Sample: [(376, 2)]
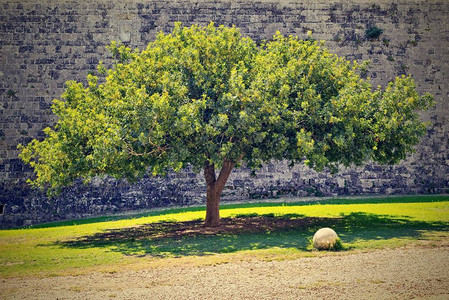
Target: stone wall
[(45, 43)]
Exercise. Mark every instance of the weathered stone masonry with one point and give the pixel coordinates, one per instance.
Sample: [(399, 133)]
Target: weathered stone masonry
[(45, 43)]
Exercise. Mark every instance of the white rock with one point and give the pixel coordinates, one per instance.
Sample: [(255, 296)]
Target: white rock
[(325, 239)]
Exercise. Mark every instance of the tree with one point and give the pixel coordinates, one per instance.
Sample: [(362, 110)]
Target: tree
[(208, 98)]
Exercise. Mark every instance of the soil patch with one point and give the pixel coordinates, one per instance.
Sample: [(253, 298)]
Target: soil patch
[(414, 272)]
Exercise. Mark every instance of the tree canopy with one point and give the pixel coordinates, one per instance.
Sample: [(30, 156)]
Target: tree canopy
[(207, 97)]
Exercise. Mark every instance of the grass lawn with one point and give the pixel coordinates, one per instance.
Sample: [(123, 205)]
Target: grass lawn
[(251, 231)]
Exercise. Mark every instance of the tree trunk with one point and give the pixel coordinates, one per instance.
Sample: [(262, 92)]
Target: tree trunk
[(214, 187)]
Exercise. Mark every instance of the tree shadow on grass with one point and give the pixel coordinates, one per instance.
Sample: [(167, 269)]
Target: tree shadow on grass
[(248, 232)]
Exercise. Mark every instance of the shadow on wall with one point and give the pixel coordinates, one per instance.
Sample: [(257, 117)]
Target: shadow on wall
[(248, 232)]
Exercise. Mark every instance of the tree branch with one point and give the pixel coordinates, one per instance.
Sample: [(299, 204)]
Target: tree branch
[(159, 150), (209, 174), (226, 170)]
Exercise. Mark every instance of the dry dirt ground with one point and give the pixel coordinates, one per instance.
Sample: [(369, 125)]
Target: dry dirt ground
[(413, 272)]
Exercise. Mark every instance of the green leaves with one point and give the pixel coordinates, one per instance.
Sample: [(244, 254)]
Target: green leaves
[(337, 117), (398, 126), (206, 94)]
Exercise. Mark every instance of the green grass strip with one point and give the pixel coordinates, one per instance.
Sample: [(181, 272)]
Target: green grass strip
[(288, 202)]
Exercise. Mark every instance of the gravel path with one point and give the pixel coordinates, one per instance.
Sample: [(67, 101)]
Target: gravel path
[(420, 272)]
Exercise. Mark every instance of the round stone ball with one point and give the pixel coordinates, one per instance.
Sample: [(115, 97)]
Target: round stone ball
[(325, 239)]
